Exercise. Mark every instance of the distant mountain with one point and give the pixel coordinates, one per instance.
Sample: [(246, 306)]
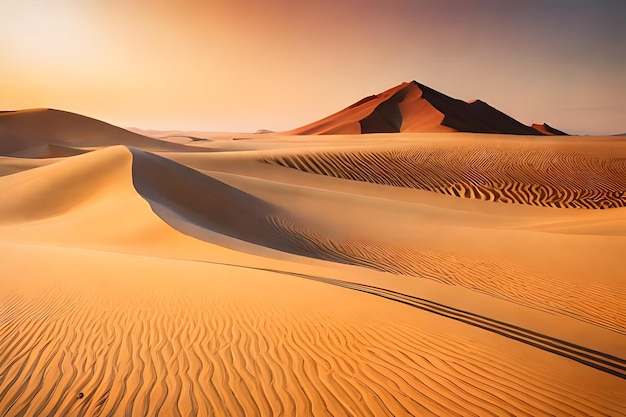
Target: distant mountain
[(414, 107)]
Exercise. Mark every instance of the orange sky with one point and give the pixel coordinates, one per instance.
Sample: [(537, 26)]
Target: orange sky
[(277, 64)]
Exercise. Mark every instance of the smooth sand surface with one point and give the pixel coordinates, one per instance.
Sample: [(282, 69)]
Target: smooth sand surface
[(391, 274), (46, 133)]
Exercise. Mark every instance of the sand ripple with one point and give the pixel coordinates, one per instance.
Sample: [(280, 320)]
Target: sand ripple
[(176, 354), (591, 303), (524, 175)]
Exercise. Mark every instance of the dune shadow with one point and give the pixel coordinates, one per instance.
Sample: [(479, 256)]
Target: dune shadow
[(205, 208), (476, 117), (179, 194), (386, 117)]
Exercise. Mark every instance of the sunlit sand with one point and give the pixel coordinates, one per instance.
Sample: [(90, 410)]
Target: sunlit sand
[(426, 272)]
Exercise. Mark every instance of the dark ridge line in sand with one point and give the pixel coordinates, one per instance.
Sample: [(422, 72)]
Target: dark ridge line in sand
[(586, 356)]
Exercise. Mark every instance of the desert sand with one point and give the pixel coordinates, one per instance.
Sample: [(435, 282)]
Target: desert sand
[(412, 107), (438, 273)]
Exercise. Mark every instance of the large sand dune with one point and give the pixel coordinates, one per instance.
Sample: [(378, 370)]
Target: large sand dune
[(47, 133), (413, 107), (391, 274)]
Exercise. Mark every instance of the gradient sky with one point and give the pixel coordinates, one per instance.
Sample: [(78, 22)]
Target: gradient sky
[(243, 65)]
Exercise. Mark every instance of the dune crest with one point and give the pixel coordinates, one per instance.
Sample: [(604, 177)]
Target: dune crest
[(58, 188)]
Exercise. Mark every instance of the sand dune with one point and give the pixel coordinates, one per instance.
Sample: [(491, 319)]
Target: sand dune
[(514, 175), (10, 165), (174, 190), (21, 131), (49, 151), (414, 107), (400, 108), (289, 275), (65, 186)]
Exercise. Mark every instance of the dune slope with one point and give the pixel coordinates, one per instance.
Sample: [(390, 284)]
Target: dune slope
[(414, 107), (546, 129), (46, 133), (597, 304)]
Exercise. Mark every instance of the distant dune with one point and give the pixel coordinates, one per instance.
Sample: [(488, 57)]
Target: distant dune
[(187, 136), (400, 274), (48, 151), (47, 133), (413, 107)]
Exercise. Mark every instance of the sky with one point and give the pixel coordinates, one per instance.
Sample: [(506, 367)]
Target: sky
[(243, 65)]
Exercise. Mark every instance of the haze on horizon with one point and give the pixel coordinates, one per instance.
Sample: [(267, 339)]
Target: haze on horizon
[(231, 65)]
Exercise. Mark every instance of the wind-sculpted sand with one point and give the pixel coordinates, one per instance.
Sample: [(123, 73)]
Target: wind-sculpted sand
[(290, 275), (535, 176), (230, 340), (600, 305)]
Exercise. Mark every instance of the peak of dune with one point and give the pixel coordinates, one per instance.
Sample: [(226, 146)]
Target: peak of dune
[(27, 133), (414, 107), (63, 187)]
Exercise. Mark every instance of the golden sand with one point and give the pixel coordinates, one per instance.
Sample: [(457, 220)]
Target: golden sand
[(390, 274)]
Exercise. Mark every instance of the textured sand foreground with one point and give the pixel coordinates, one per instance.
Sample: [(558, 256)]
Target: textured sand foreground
[(393, 274)]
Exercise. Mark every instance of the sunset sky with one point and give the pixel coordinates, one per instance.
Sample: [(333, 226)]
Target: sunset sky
[(243, 65)]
